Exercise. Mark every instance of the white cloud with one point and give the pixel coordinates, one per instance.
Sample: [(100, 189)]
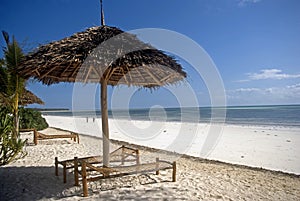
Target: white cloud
[(295, 86), (269, 74), (247, 90), (244, 2), (289, 94)]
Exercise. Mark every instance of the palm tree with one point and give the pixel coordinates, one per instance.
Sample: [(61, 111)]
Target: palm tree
[(12, 85)]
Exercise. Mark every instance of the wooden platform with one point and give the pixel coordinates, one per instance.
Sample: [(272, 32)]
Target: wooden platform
[(120, 155), (40, 136), (91, 168), (112, 172)]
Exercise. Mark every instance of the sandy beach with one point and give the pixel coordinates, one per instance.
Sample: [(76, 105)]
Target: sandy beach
[(32, 178), (269, 147)]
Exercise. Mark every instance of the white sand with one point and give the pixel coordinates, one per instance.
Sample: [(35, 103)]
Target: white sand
[(274, 148), (32, 178)]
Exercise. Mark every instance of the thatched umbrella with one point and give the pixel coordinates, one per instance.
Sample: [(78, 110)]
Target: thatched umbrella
[(26, 98), (104, 55)]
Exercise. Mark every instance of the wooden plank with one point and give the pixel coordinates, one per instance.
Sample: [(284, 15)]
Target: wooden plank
[(124, 174)]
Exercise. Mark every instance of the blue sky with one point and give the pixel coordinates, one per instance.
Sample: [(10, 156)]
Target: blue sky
[(255, 44)]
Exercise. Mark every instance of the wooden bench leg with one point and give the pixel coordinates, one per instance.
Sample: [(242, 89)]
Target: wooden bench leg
[(77, 138), (138, 160), (56, 166), (84, 179), (137, 152), (157, 166), (123, 155), (174, 172), (76, 171), (35, 137), (65, 172)]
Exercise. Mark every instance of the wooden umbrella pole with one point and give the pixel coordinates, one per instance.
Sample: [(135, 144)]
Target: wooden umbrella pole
[(102, 13), (105, 130)]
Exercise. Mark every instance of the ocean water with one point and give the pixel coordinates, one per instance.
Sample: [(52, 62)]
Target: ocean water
[(279, 115)]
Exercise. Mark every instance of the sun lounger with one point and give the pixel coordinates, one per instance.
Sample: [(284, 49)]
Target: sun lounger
[(40, 136), (121, 155), (112, 172), (91, 168)]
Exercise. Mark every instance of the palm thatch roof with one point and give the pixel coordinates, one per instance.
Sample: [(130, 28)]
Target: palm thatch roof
[(102, 52), (27, 97)]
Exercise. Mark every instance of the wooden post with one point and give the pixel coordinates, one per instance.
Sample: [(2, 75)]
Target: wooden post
[(84, 179), (56, 166), (157, 166), (65, 172), (122, 155), (77, 137), (138, 167), (105, 131), (76, 171), (102, 14), (138, 157), (174, 172), (35, 137)]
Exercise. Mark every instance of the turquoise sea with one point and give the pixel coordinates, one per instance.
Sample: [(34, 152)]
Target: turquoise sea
[(279, 115)]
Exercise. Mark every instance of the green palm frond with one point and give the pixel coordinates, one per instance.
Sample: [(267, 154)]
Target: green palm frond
[(3, 80), (12, 83), (6, 37), (13, 55), (12, 89)]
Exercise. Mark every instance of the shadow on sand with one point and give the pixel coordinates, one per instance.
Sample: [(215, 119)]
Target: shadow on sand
[(40, 183), (32, 183)]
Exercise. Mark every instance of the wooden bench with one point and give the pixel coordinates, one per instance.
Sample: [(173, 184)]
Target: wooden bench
[(40, 136), (122, 155), (112, 172)]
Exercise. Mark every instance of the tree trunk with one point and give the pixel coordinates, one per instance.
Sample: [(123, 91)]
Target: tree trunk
[(15, 119), (16, 111)]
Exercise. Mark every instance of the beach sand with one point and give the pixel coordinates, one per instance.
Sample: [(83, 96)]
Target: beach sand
[(32, 178), (270, 147)]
